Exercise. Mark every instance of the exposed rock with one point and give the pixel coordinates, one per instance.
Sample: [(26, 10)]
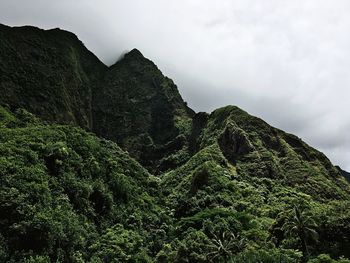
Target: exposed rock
[(234, 142)]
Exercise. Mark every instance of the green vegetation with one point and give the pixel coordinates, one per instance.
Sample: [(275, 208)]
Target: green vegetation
[(219, 187), (49, 73), (64, 191)]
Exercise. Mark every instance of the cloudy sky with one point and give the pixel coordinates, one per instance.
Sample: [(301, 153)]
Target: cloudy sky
[(286, 61)]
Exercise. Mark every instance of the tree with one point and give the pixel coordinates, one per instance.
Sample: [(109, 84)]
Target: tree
[(300, 223), (224, 246)]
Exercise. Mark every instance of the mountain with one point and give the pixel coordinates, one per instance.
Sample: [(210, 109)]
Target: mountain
[(141, 109), (109, 164), (54, 76), (344, 173), (48, 72)]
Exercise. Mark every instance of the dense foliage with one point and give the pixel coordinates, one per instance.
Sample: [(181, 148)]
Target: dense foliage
[(63, 191), (219, 187)]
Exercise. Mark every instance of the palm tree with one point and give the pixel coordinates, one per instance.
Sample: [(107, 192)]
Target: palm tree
[(301, 224), (225, 245)]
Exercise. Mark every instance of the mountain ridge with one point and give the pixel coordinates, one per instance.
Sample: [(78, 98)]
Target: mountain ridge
[(109, 164), (87, 93)]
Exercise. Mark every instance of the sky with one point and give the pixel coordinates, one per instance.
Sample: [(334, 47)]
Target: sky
[(285, 61)]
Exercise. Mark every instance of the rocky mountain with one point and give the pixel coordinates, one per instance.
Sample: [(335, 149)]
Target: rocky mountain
[(109, 164)]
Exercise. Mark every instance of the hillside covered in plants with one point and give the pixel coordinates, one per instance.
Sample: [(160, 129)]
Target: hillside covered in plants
[(109, 164)]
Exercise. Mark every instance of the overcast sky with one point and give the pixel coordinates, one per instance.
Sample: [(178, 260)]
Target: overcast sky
[(286, 61)]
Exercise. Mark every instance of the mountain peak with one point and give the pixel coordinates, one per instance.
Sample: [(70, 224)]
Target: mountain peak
[(133, 57), (134, 53), (142, 109)]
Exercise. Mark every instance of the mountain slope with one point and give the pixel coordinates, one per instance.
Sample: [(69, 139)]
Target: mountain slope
[(52, 74), (344, 173), (61, 188), (48, 72), (141, 109), (219, 187), (245, 168), (254, 149)]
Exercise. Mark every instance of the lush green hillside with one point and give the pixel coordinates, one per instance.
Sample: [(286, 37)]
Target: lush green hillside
[(219, 187), (247, 183), (63, 191)]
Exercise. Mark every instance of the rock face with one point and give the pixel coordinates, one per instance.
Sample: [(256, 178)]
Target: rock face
[(218, 187), (234, 142)]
